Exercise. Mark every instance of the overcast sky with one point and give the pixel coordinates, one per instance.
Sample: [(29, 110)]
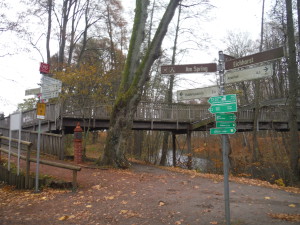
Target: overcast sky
[(21, 71)]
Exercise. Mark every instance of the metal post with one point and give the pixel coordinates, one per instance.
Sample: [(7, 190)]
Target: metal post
[(38, 159), (225, 145), (19, 144)]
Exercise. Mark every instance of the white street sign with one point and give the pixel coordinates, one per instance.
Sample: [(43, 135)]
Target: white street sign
[(34, 91), (248, 74), (50, 87), (49, 81), (48, 95), (197, 93)]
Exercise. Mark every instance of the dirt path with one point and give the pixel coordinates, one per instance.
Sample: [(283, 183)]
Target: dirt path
[(145, 195)]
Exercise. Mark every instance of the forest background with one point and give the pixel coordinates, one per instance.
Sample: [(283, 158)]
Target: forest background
[(93, 42)]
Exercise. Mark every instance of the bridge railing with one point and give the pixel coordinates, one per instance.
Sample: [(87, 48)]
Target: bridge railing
[(149, 111), (266, 114), (145, 111)]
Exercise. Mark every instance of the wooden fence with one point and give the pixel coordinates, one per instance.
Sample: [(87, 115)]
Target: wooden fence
[(27, 181), (51, 144)]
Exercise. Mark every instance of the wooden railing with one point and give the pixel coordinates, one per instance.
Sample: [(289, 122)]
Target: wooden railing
[(148, 111), (28, 159), (50, 143)]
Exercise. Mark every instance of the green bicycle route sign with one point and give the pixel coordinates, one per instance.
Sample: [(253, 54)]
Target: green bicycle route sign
[(223, 108), (222, 130), (222, 99), (225, 117)]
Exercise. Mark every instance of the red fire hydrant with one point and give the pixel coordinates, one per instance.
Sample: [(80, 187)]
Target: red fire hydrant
[(78, 144)]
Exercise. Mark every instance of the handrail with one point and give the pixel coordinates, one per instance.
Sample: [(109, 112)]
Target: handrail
[(45, 162)]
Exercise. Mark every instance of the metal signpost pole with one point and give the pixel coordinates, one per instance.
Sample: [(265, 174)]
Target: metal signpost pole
[(225, 144), (38, 156)]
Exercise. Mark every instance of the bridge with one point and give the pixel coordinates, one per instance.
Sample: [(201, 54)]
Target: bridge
[(177, 118)]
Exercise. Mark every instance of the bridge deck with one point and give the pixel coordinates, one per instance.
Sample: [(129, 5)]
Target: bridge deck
[(153, 116)]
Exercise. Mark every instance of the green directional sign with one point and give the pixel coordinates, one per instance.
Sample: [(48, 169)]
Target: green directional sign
[(223, 108), (225, 117), (222, 99), (222, 130), (225, 124)]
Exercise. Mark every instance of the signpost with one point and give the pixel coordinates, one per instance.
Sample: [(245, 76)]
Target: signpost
[(222, 130), (49, 80), (197, 93), (248, 74), (50, 87), (223, 108), (225, 124), (41, 110), (255, 58), (222, 99), (223, 104), (189, 68), (225, 117), (34, 91), (44, 68)]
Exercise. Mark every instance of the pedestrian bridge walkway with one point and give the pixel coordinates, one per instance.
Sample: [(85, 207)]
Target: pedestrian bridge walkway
[(178, 118)]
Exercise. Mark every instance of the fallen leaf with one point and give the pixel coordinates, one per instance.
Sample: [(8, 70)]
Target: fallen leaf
[(214, 222), (97, 187), (161, 203), (44, 198), (109, 197), (123, 202), (89, 206), (267, 198), (292, 205), (178, 222), (123, 211), (63, 218)]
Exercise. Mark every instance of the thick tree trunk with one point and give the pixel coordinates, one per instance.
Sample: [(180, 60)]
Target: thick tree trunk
[(135, 75), (49, 30), (293, 91)]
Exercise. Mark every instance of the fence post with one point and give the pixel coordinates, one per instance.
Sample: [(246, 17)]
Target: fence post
[(27, 176)]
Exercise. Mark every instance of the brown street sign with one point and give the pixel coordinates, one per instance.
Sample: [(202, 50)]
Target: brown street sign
[(255, 58), (189, 68)]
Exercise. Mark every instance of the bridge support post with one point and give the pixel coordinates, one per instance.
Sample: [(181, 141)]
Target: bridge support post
[(189, 149), (78, 144), (174, 148)]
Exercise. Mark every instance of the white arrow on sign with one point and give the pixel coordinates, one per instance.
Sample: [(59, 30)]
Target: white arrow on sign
[(248, 74), (197, 93)]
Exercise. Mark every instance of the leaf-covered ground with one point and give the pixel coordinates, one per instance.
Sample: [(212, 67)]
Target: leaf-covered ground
[(149, 195)]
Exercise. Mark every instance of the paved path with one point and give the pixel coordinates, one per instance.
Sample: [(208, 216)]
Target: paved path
[(146, 195)]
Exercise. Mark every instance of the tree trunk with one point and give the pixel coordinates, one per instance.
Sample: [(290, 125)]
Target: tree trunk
[(49, 30), (293, 91), (255, 148), (169, 93), (135, 75)]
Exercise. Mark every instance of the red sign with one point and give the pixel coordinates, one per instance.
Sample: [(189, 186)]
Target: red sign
[(189, 68), (44, 68), (255, 58)]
